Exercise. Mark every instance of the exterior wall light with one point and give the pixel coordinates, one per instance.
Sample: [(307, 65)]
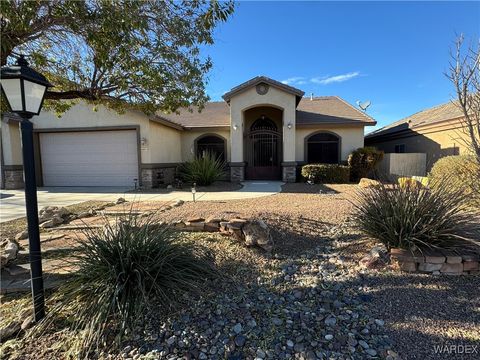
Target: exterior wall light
[(235, 127), (289, 125)]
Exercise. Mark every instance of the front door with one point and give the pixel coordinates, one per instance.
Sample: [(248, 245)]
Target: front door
[(263, 151)]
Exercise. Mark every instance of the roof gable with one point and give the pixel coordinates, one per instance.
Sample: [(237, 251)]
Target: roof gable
[(265, 80)]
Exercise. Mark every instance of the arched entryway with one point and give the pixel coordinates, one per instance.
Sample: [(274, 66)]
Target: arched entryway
[(263, 144)]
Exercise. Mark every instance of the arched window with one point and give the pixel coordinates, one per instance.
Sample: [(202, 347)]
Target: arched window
[(323, 148), (213, 144), (263, 123)]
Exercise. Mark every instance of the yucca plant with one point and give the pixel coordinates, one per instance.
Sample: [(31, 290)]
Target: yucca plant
[(203, 169), (416, 218), (122, 269)]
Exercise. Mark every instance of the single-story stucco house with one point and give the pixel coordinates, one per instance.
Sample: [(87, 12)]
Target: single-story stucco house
[(436, 132), (263, 129)]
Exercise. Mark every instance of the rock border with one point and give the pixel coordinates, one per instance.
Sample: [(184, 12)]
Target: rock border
[(250, 232), (436, 262)]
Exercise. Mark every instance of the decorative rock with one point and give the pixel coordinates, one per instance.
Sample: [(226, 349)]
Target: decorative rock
[(435, 259), (120, 200), (470, 265), (55, 221), (328, 337), (257, 233), (237, 328), (9, 253), (453, 259), (10, 330), (427, 267), (408, 266), (363, 344), (178, 202), (379, 322), (22, 235), (451, 268), (195, 220), (330, 321), (240, 340), (371, 352), (367, 183)]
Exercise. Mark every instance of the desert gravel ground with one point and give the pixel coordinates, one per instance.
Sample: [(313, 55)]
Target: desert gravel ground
[(308, 300)]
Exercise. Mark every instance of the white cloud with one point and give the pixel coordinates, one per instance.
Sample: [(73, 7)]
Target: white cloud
[(335, 79), (294, 80)]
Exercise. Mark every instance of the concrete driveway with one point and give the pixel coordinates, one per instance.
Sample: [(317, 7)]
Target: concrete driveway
[(12, 202)]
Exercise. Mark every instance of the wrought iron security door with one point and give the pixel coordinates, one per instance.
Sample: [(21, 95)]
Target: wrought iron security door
[(263, 151)]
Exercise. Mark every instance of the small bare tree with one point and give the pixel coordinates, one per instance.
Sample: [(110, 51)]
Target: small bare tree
[(464, 73)]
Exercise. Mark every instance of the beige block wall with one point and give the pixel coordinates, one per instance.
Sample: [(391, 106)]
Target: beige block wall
[(351, 139), (189, 137), (11, 144), (249, 99)]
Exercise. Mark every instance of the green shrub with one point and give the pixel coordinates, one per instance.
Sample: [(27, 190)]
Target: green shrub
[(122, 269), (457, 174), (413, 218), (326, 173), (363, 161), (203, 170)]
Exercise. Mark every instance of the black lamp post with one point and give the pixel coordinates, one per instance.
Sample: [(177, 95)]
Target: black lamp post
[(25, 89)]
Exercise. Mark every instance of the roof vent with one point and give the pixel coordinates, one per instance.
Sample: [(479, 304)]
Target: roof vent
[(311, 96)]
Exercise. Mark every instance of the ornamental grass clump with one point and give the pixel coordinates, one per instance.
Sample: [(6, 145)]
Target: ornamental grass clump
[(123, 270), (416, 218), (203, 170)]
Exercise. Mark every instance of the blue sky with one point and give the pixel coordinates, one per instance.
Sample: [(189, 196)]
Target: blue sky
[(392, 53)]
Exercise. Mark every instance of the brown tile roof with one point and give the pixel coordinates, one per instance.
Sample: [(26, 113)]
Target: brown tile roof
[(442, 112), (214, 114), (330, 110), (319, 110)]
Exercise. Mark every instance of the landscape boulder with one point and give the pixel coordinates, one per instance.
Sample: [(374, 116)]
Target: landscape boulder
[(257, 233), (50, 212), (22, 235), (55, 221), (367, 183), (9, 253)]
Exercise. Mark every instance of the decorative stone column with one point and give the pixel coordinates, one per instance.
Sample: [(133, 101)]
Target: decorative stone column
[(237, 171), (289, 171), (13, 177)]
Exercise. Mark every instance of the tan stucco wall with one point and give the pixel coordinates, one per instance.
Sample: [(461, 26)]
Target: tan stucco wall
[(11, 144), (188, 141), (249, 99), (435, 142), (351, 139), (164, 144)]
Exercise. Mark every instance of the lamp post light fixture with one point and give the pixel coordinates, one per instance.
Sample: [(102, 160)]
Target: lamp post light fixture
[(194, 190), (24, 89)]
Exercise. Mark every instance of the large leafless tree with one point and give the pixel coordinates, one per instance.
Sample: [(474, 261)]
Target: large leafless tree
[(464, 73)]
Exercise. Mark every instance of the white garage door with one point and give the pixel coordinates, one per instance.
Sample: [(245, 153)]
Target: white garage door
[(90, 158)]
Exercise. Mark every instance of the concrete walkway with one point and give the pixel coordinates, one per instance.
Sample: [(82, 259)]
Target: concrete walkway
[(12, 202)]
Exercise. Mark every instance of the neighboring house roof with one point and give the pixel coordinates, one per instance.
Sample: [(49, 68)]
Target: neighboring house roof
[(431, 116), (259, 80), (330, 110)]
